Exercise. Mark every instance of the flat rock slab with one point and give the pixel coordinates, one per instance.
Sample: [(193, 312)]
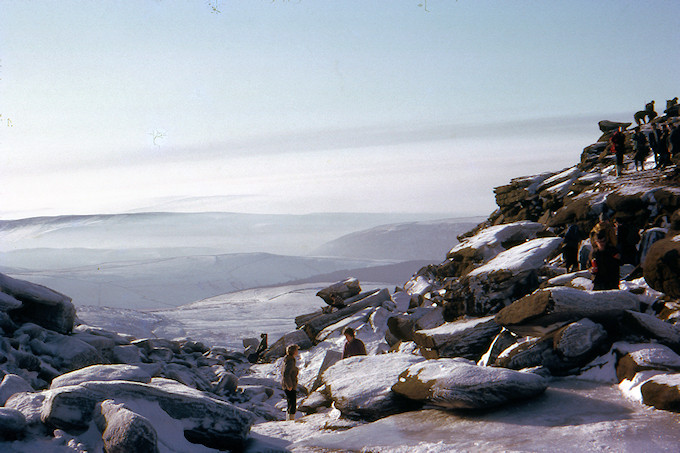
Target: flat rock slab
[(361, 386), (137, 373), (469, 338), (458, 384), (562, 304)]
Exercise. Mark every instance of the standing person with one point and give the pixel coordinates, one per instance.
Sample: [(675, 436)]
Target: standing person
[(664, 155), (289, 379), (354, 346), (618, 145), (605, 261), (641, 149), (654, 135), (570, 243), (674, 141)]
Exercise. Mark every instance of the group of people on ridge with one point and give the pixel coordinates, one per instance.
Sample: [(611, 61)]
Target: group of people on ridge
[(663, 140), (289, 370)]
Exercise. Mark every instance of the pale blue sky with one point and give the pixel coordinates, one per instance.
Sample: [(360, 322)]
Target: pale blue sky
[(309, 106)]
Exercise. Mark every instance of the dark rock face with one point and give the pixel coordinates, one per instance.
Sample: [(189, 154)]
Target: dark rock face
[(662, 267), (40, 305)]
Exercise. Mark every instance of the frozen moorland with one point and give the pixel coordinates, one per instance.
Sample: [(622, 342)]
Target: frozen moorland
[(161, 260), (495, 348)]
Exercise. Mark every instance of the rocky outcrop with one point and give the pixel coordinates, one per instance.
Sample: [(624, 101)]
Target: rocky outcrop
[(207, 421), (458, 384)]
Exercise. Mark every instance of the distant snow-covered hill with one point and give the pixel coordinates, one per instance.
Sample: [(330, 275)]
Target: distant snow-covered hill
[(221, 232), (403, 241)]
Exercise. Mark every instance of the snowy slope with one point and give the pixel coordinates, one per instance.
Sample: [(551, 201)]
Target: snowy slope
[(222, 320)]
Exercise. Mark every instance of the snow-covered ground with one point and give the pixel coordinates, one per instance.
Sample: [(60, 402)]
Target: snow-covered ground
[(572, 415)]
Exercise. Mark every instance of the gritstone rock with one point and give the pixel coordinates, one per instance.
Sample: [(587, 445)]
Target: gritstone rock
[(40, 305), (458, 384)]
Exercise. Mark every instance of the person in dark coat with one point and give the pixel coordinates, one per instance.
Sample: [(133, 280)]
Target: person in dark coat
[(605, 262), (674, 141), (654, 143), (618, 145), (641, 149), (354, 346), (289, 380), (662, 144), (570, 243)]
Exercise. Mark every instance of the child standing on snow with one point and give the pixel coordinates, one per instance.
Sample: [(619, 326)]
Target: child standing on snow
[(289, 380)]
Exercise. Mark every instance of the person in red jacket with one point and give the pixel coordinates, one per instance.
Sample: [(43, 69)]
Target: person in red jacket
[(354, 346)]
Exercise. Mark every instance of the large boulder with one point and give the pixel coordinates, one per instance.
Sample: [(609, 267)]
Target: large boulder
[(563, 305), (124, 431), (507, 277), (404, 325), (458, 384), (662, 266), (208, 421), (468, 338), (39, 304), (644, 357), (361, 386), (579, 340), (662, 391)]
